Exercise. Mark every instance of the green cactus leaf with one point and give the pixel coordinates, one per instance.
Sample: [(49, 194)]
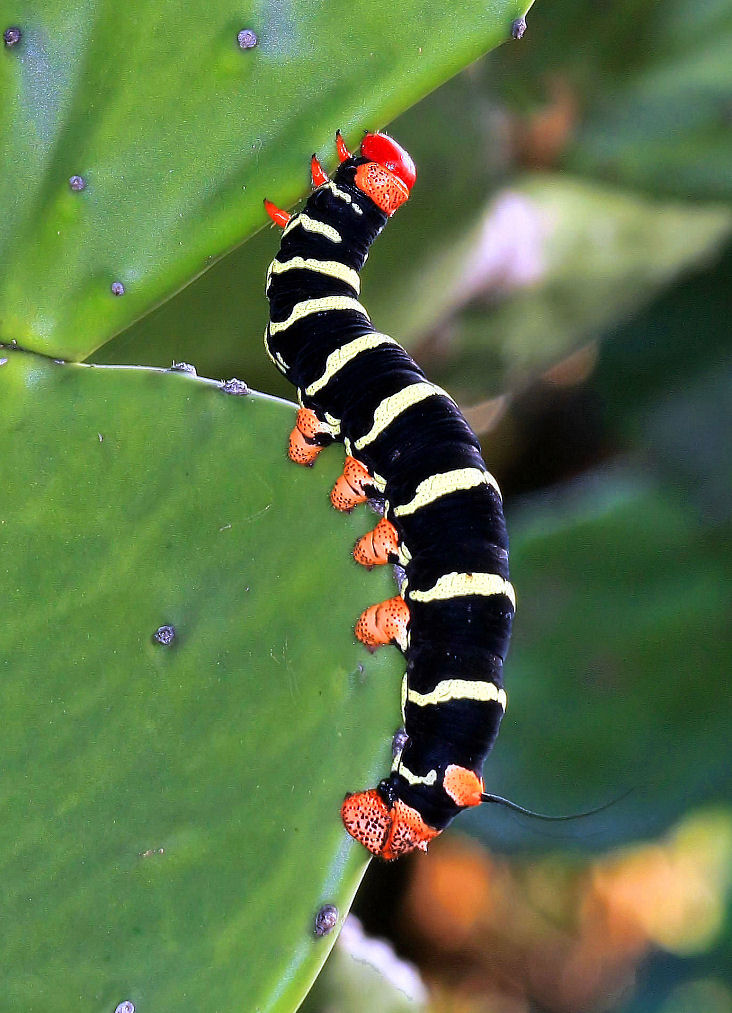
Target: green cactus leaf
[(170, 821), (178, 134)]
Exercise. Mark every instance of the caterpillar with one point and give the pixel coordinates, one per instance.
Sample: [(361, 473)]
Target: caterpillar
[(409, 450)]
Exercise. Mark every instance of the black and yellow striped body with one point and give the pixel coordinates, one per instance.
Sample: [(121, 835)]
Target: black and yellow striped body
[(426, 466)]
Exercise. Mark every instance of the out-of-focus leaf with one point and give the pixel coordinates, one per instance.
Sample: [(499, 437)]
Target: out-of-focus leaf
[(635, 93), (664, 379), (690, 437), (179, 134), (657, 352), (599, 255), (667, 129), (170, 820), (659, 378)]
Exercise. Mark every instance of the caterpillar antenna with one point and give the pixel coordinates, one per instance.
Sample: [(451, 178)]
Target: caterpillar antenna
[(498, 800)]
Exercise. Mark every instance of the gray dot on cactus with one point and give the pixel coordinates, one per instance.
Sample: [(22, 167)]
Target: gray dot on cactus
[(118, 288), (77, 183), (325, 920), (183, 367), (164, 635), (12, 36), (518, 28), (236, 387), (125, 1007), (247, 39)]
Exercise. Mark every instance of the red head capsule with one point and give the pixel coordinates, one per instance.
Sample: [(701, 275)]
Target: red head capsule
[(389, 174), (387, 152)]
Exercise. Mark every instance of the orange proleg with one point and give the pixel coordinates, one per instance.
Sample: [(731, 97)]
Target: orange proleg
[(378, 546), (305, 444), (387, 833), (385, 623), (349, 490)]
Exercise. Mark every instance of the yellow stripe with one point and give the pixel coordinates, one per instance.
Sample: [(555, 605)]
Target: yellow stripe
[(455, 585), (345, 354), (307, 307), (312, 225), (437, 486), (274, 356), (331, 268), (430, 778), (458, 689), (395, 405), (405, 690), (337, 192)]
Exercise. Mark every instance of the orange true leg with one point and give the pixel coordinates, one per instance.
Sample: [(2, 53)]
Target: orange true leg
[(343, 152), (349, 490), (384, 623), (278, 216), (378, 546), (304, 444), (317, 171)]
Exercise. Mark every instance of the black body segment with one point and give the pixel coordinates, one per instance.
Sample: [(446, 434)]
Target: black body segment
[(427, 466)]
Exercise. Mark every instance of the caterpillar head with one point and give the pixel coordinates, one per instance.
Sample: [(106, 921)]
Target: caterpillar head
[(388, 832), (389, 175)]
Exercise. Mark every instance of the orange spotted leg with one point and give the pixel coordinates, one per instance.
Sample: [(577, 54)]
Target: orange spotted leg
[(378, 546), (308, 438), (278, 216), (385, 623)]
